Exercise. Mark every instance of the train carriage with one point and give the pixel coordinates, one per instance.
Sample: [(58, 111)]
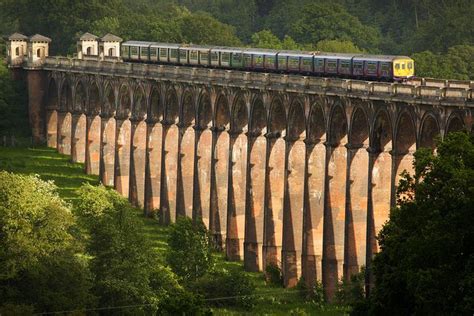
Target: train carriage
[(358, 66)]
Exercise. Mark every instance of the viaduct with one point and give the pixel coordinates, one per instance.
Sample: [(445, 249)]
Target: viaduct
[(285, 169)]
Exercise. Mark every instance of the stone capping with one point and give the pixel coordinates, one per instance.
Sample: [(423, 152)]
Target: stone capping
[(428, 90)]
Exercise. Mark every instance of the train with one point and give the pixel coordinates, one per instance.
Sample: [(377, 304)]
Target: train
[(353, 66)]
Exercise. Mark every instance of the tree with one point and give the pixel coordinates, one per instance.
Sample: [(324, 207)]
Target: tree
[(126, 269), (330, 21), (426, 262), (337, 46), (189, 254), (37, 248), (266, 39)]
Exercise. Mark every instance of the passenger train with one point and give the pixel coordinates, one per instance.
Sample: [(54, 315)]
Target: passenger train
[(356, 66)]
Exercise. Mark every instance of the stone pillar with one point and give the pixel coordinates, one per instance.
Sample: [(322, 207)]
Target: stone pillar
[(169, 173), (153, 166), (93, 144), (274, 192), (219, 185), (122, 156), (293, 211), (107, 150), (312, 251), (202, 175), (334, 216), (236, 195), (52, 128), (255, 199), (36, 81), (355, 236), (78, 137), (184, 202), (137, 162), (64, 132)]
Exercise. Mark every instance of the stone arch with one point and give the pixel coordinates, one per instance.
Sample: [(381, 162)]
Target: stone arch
[(171, 106), (188, 110), (139, 105), (66, 96), (109, 104), (202, 166), (274, 184), (80, 97), (313, 213), (277, 121), (454, 123), (255, 195), (293, 203), (334, 216), (94, 99), (204, 111), (429, 131), (239, 121), (381, 138), (219, 176), (155, 106), (405, 133), (355, 241), (52, 114), (125, 101), (184, 203)]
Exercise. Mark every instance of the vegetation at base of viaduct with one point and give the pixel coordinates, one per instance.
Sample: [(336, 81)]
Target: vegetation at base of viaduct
[(437, 34)]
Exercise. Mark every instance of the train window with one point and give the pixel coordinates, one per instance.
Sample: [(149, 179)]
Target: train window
[(357, 65), (281, 62), (410, 65), (236, 59), (153, 52), (293, 63), (204, 58), (372, 67), (403, 66), (193, 55), (319, 64), (124, 51), (134, 51), (225, 57), (183, 55), (144, 52), (306, 64), (397, 66), (270, 62), (385, 67), (163, 53), (248, 60), (332, 65), (174, 53), (345, 64), (214, 56), (258, 60)]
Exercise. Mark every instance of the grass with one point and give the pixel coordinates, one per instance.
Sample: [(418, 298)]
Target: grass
[(49, 165)]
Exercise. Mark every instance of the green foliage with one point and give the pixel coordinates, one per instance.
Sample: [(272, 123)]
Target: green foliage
[(273, 274), (126, 269), (182, 302), (318, 22), (13, 105), (37, 248), (311, 293), (190, 249), (351, 292), (457, 63), (337, 46), (227, 288), (426, 263)]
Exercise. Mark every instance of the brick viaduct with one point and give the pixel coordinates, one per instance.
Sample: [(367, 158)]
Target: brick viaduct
[(292, 170)]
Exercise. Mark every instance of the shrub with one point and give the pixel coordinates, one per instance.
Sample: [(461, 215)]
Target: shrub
[(190, 250), (351, 292), (227, 288), (311, 293), (273, 274), (182, 302)]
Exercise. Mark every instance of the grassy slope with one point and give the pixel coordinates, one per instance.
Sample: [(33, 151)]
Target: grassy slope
[(68, 177)]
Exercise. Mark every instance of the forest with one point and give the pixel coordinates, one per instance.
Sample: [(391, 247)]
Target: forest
[(439, 35)]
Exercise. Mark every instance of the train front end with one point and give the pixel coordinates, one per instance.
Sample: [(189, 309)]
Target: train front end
[(403, 68)]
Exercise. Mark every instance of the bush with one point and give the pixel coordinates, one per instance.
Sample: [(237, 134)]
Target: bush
[(227, 288), (182, 302), (351, 292), (311, 293), (273, 274), (190, 250)]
